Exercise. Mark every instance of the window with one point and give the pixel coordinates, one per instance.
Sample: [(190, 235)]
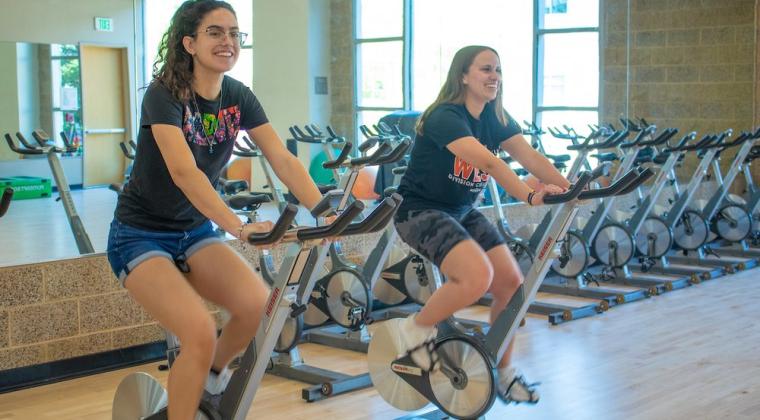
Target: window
[(440, 28), (380, 44), (549, 54), (66, 94), (567, 67)]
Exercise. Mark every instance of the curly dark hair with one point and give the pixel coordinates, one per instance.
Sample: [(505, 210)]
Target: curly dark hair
[(174, 65)]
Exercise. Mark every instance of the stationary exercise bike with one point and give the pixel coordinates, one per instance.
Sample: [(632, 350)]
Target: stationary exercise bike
[(128, 150), (464, 383), (343, 293), (139, 396), (51, 151)]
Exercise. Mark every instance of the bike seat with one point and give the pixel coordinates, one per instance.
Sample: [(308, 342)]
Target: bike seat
[(244, 201), (233, 186), (324, 188), (661, 158), (645, 155), (559, 158), (560, 165), (606, 157)]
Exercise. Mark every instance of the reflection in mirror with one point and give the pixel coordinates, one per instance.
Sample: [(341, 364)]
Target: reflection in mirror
[(43, 92)]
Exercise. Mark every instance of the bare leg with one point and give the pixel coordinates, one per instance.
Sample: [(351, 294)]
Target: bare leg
[(163, 291), (468, 272), (222, 276), (506, 279)]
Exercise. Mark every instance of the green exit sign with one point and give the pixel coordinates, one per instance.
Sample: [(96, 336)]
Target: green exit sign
[(103, 24)]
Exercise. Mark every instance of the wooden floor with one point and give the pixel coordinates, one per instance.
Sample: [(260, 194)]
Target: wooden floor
[(690, 354)]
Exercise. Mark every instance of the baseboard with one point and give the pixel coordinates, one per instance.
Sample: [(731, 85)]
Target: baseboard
[(60, 370)]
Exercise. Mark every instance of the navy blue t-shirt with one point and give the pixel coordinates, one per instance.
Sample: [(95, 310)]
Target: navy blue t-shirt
[(150, 199), (437, 179)]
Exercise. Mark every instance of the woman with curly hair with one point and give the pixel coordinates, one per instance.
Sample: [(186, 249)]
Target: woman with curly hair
[(162, 245)]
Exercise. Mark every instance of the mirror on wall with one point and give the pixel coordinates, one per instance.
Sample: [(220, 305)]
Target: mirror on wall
[(43, 91)]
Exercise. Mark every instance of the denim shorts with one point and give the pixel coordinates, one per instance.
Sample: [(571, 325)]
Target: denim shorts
[(433, 233), (129, 246)]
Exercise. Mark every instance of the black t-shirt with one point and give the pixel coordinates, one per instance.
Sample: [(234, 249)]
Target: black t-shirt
[(150, 199), (435, 178)]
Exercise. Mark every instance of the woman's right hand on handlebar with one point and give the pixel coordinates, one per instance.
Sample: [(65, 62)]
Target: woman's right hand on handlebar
[(258, 227), (548, 189)]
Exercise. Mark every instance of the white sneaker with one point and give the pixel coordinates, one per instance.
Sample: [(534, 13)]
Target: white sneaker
[(417, 342), (513, 388), (217, 383)]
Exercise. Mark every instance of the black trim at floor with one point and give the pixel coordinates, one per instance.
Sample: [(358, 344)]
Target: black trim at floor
[(48, 373)]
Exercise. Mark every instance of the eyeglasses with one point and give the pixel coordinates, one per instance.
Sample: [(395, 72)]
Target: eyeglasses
[(218, 34)]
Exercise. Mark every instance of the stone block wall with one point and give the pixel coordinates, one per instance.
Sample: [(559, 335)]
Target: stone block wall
[(68, 308), (688, 64)]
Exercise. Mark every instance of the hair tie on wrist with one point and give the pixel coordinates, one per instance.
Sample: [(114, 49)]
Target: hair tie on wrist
[(530, 197), (240, 231)]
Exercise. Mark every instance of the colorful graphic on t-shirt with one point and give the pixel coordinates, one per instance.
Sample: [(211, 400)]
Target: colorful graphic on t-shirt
[(198, 129), (464, 173)]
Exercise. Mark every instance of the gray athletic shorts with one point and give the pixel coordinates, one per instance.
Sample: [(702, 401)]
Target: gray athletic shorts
[(433, 233)]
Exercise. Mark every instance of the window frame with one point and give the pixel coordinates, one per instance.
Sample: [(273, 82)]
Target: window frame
[(406, 63), (538, 62)]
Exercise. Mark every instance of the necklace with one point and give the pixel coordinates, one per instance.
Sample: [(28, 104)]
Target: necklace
[(211, 141)]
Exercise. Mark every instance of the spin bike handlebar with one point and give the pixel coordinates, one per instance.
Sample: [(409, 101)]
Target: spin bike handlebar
[(316, 132), (704, 141), (378, 219), (743, 137), (5, 201), (299, 135), (681, 143), (612, 141), (638, 141), (71, 148), (42, 138), (583, 179), (397, 153), (278, 230), (22, 151), (642, 178), (332, 164), (570, 135), (616, 188), (372, 159), (663, 138), (333, 229), (127, 153)]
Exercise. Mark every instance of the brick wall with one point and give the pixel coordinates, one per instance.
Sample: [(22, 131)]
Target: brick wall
[(692, 64)]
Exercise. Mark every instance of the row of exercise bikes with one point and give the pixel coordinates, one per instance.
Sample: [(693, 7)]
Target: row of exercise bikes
[(644, 232)]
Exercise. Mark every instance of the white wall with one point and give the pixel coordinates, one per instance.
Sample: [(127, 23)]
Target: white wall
[(9, 95), (290, 48), (28, 87), (72, 22)]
